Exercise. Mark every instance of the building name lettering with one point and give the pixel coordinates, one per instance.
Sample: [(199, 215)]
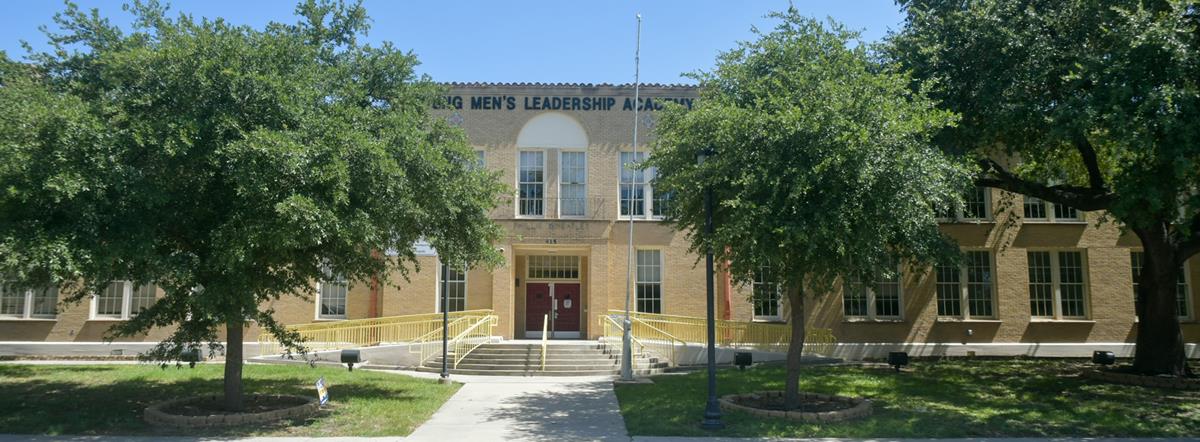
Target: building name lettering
[(510, 102)]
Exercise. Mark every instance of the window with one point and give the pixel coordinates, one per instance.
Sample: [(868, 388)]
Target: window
[(1045, 211), (122, 300), (454, 281), (28, 304), (1057, 286), (637, 189), (977, 294), (332, 292), (976, 207), (767, 296), (649, 281), (553, 267), (480, 160), (880, 300), (531, 184), (1182, 291), (572, 184)]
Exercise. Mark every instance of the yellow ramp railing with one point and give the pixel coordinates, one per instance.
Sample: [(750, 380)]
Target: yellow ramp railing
[(738, 334), (367, 332)]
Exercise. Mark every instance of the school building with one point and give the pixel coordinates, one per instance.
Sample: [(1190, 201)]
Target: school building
[(1036, 276)]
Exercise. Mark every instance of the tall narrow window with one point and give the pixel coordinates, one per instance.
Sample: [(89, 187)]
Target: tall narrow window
[(1057, 285), (1044, 211), (767, 296), (572, 186), (332, 295), (649, 281), (977, 294), (531, 183), (122, 300), (453, 280), (877, 300), (28, 303), (1182, 290), (633, 185)]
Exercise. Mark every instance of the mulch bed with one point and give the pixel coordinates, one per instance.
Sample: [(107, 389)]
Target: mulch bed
[(806, 405), (252, 404)]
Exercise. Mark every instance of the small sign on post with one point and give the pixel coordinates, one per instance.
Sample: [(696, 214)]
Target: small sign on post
[(322, 392)]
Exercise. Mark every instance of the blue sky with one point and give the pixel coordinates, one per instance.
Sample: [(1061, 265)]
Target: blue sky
[(530, 41)]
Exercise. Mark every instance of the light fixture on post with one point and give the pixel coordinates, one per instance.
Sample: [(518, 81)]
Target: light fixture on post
[(712, 410)]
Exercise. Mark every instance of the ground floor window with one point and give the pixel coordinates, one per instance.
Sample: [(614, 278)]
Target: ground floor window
[(969, 284), (28, 303), (649, 281), (1182, 292), (122, 300), (452, 283), (877, 300), (1057, 285), (331, 297), (767, 295)]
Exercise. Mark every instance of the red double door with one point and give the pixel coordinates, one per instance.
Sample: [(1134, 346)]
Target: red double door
[(559, 300)]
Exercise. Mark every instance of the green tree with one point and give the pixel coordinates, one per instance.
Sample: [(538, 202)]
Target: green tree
[(1099, 101), (822, 168), (230, 166)]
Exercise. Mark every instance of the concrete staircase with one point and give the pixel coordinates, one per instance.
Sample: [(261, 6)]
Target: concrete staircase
[(524, 358)]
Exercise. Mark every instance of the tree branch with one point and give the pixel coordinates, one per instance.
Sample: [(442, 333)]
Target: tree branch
[(1088, 154), (1082, 198)]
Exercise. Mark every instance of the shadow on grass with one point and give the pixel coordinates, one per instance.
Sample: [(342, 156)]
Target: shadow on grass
[(41, 401), (947, 399)]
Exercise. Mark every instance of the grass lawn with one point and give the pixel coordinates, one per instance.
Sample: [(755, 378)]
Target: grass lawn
[(109, 399), (957, 398)]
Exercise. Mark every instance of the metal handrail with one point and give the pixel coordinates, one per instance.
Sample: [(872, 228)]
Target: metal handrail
[(425, 343), (607, 324), (490, 321), (739, 334), (545, 320), (365, 332)]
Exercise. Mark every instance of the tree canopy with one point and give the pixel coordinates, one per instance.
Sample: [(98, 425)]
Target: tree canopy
[(822, 165), (228, 165), (1089, 103)]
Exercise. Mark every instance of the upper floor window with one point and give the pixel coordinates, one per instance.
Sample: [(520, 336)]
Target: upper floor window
[(332, 292), (877, 300), (637, 189), (969, 284), (1057, 284), (28, 303), (976, 207), (122, 300), (649, 281), (452, 284), (572, 184), (1182, 292), (767, 296), (531, 184), (1040, 210)]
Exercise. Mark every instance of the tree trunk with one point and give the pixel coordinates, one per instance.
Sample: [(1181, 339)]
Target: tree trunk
[(1160, 347), (233, 365), (791, 392)]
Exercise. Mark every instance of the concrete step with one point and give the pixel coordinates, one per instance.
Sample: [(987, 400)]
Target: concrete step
[(531, 372), (536, 351)]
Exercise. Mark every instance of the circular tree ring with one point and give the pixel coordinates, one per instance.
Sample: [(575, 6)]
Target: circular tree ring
[(853, 407), (1117, 377), (158, 414)]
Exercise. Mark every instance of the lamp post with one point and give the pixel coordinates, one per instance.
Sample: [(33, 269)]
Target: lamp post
[(445, 376), (712, 411)]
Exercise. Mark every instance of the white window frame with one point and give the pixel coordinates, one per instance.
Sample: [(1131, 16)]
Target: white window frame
[(559, 178), (335, 280), (761, 280), (1049, 209), (127, 289), (871, 289), (963, 288), (1187, 284), (1056, 285), (517, 208), (559, 269), (27, 313), (662, 277), (437, 291), (959, 212), (648, 176)]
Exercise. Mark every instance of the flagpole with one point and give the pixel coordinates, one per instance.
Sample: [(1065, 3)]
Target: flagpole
[(626, 336)]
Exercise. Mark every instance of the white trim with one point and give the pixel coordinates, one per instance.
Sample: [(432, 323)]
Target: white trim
[(1050, 218), (964, 298), (1185, 315), (345, 304), (437, 290), (517, 201), (754, 317), (959, 212), (27, 307), (1056, 284), (872, 315), (662, 278), (647, 189)]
